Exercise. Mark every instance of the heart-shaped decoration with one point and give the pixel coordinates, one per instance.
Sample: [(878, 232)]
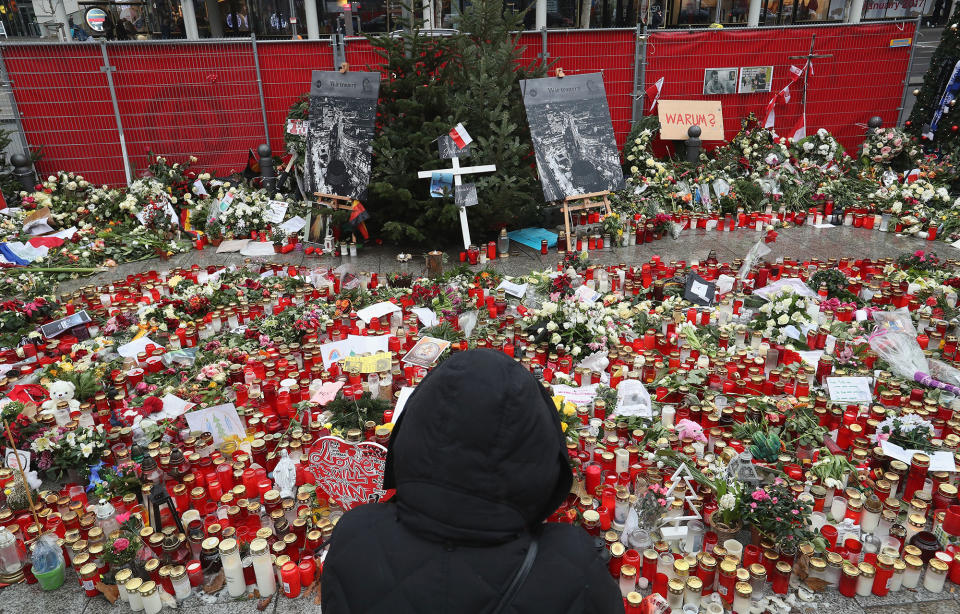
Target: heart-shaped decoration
[(349, 473)]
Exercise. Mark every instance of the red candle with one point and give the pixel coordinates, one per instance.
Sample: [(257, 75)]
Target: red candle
[(290, 576), (592, 478)]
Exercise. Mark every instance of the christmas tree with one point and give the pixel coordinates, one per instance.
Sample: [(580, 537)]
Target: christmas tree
[(936, 114), (433, 83)]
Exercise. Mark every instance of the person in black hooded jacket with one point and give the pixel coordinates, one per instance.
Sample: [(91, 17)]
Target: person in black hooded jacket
[(478, 460)]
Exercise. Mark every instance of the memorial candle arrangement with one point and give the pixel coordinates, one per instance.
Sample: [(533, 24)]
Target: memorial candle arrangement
[(739, 433)]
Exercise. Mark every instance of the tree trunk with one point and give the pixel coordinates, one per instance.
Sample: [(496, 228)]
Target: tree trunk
[(585, 14)]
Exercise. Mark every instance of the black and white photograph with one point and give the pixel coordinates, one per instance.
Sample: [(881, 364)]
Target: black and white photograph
[(572, 135), (718, 81), (449, 150), (343, 111), (466, 195), (755, 79)]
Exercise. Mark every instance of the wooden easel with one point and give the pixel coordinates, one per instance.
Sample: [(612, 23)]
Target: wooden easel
[(336, 202), (582, 202)]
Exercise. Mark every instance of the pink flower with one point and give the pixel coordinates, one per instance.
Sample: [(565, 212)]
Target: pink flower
[(795, 512), (753, 506), (122, 518), (121, 544), (662, 501)]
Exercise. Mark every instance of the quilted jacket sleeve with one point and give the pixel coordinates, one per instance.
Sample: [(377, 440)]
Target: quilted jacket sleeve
[(603, 592)]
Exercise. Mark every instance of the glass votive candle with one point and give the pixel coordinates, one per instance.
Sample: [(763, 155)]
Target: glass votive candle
[(896, 580), (675, 594), (911, 575), (693, 593), (628, 579), (817, 520), (865, 581), (665, 564), (741, 598), (838, 508), (733, 548), (936, 575)]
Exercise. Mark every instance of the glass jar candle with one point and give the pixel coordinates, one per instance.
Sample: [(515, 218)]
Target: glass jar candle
[(741, 599), (884, 575), (121, 579), (290, 578), (849, 580), (628, 579), (935, 576), (838, 508), (911, 575), (181, 583), (870, 518), (133, 594), (89, 576), (232, 567), (150, 597), (896, 580), (675, 590), (694, 590), (865, 582), (263, 567)]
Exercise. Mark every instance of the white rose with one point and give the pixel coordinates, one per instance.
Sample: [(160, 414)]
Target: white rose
[(552, 326), (783, 320), (555, 338)]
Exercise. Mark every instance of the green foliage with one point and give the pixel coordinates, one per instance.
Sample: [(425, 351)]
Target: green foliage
[(765, 446), (435, 83), (351, 414), (942, 63), (836, 283)]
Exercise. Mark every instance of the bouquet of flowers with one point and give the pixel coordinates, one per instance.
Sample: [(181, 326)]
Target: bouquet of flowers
[(578, 326), (775, 511), (910, 432), (819, 149), (61, 449), (782, 310), (890, 147)]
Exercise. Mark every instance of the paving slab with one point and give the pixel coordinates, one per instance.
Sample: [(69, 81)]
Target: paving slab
[(909, 596)]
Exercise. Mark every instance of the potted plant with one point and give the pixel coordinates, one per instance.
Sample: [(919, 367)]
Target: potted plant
[(214, 232), (279, 238), (773, 510)]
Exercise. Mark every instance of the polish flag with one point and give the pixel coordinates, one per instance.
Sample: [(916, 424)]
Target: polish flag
[(460, 136), (912, 176), (800, 130), (653, 92)]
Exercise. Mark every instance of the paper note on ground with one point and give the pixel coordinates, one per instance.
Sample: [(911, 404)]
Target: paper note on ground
[(939, 461), (130, 350), (377, 311), (222, 421), (850, 389), (427, 316), (584, 395), (326, 393), (517, 290), (232, 246), (258, 248), (174, 406)]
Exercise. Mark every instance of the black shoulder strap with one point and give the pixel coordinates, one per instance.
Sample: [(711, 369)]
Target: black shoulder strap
[(520, 576)]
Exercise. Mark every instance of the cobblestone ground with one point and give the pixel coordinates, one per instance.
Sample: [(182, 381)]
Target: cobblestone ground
[(802, 243)]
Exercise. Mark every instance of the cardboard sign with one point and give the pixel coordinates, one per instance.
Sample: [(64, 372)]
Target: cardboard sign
[(373, 363), (699, 291), (350, 474), (276, 209), (676, 116), (56, 327), (222, 421), (10, 459)]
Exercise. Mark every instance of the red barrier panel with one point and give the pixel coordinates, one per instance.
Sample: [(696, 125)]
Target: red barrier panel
[(197, 99), (66, 111), (202, 98), (285, 68), (863, 78)]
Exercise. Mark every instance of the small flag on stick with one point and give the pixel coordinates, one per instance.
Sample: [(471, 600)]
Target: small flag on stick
[(460, 136)]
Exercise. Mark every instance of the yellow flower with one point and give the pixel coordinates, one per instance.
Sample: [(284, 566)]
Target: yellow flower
[(569, 409), (563, 426), (67, 367), (558, 401)]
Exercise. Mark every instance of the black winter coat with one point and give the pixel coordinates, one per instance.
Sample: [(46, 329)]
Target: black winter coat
[(479, 461)]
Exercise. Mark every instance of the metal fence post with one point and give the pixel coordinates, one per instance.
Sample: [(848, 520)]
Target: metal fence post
[(544, 53), (263, 102), (339, 44), (906, 77), (7, 85), (639, 73), (108, 70)]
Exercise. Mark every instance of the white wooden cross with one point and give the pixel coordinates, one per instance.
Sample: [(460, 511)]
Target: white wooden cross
[(458, 172)]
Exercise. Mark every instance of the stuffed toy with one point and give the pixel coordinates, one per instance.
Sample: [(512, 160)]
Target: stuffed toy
[(60, 391), (690, 429)]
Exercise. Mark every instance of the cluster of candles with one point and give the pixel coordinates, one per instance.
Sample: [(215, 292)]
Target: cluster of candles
[(224, 498)]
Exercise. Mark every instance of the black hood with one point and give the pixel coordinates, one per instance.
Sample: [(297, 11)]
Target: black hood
[(478, 455)]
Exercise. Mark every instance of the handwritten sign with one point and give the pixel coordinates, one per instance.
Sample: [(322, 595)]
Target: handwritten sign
[(583, 395), (850, 389), (222, 421), (676, 116), (276, 209), (372, 363), (326, 393), (350, 474), (10, 459)]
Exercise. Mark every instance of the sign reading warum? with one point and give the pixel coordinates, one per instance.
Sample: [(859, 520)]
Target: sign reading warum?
[(676, 116)]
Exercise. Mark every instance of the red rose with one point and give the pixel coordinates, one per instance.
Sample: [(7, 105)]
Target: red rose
[(152, 405)]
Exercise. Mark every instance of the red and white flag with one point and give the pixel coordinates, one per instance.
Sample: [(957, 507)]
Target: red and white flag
[(800, 130), (912, 176), (653, 92), (460, 136)]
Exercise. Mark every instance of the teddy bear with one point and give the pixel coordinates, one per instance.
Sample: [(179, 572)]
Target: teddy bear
[(60, 390), (690, 429)]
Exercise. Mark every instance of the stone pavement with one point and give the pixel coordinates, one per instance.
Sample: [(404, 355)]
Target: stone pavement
[(804, 242)]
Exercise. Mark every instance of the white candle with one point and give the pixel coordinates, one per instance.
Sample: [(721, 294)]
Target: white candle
[(838, 508), (911, 575), (132, 586), (935, 576), (263, 567), (232, 567)]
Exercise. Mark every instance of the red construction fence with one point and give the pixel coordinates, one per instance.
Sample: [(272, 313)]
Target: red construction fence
[(204, 98)]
